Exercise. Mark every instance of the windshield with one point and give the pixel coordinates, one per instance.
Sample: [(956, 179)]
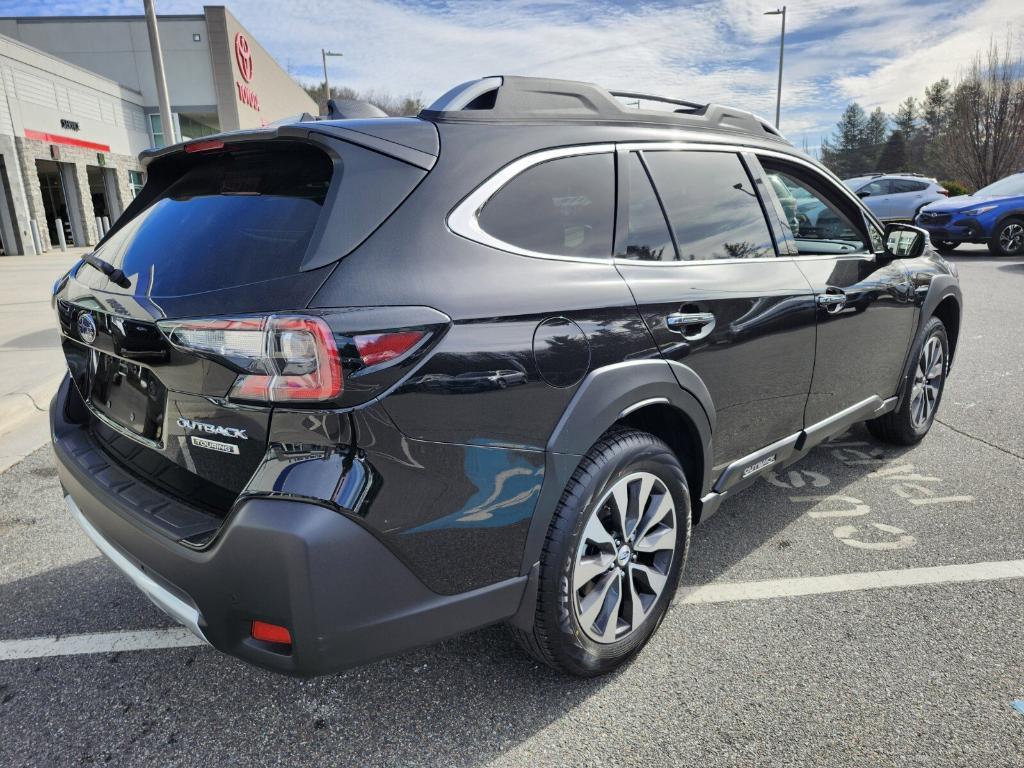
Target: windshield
[(1011, 185)]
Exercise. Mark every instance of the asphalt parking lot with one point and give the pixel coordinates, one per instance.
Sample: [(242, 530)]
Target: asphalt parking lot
[(773, 654)]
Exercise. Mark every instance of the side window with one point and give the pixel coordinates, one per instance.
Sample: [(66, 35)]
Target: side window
[(877, 187), (906, 185), (711, 205), (563, 207), (647, 237), (816, 214)]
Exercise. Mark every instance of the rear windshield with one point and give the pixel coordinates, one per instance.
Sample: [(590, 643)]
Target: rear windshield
[(231, 219)]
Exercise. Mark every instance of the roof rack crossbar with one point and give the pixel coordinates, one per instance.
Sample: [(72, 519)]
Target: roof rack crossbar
[(661, 99), (509, 97)]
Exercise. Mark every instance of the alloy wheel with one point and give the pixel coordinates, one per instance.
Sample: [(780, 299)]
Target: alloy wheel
[(1011, 238), (924, 397), (624, 557)]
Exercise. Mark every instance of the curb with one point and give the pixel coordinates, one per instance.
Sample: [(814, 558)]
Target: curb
[(16, 407)]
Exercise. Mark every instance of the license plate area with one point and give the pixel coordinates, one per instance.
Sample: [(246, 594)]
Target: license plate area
[(127, 396)]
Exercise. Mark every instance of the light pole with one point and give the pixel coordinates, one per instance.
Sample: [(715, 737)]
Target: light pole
[(158, 72), (782, 48), (327, 83)]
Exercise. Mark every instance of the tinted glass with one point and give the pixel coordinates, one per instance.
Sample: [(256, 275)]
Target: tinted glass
[(818, 222), (711, 205), (648, 238), (562, 207), (231, 219), (906, 185), (879, 187)]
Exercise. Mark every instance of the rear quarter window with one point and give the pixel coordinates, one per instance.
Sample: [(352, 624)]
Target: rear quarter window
[(906, 185), (562, 207)]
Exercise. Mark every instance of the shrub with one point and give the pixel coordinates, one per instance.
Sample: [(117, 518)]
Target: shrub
[(955, 187)]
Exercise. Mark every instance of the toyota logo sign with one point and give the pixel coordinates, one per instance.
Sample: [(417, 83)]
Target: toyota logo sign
[(243, 56)]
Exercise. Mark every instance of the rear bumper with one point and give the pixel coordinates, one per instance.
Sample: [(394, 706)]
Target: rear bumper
[(184, 613), (345, 597)]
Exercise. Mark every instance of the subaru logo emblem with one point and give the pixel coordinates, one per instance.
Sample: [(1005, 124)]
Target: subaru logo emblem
[(86, 328)]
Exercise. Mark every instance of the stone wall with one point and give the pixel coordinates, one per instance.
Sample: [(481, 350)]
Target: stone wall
[(29, 151)]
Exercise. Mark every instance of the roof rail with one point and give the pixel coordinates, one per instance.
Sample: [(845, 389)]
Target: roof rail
[(512, 98)]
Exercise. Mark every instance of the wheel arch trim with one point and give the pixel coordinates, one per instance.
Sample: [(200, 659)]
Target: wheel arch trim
[(942, 287), (605, 396), (1016, 213)]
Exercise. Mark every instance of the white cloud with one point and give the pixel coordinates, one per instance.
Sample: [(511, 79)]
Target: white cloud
[(874, 51), (942, 51)]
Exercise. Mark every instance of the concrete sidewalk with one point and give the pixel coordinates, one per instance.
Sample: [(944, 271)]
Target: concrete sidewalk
[(31, 363)]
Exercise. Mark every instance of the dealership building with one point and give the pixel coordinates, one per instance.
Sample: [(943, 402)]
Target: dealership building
[(78, 102)]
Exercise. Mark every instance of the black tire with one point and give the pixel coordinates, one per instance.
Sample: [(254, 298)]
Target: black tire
[(945, 246), (557, 637), (902, 426), (1008, 238)]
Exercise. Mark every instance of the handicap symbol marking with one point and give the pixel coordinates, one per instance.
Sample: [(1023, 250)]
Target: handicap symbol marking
[(798, 478), (846, 533), (844, 506)]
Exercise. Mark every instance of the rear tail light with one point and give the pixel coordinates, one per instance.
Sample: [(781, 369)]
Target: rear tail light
[(378, 348), (284, 358), (943, 191), (287, 358)]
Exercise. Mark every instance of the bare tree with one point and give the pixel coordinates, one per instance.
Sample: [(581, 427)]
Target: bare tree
[(984, 137)]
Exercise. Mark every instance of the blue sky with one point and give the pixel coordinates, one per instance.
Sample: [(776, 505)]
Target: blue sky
[(875, 51)]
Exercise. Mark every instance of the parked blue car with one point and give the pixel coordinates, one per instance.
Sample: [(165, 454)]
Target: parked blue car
[(993, 215)]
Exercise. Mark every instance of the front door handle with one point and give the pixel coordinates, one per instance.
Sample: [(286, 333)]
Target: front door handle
[(832, 302), (692, 325)]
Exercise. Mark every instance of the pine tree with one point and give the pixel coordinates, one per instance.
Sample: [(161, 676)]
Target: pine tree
[(927, 152), (905, 118), (875, 133), (935, 107), (894, 155), (841, 151)]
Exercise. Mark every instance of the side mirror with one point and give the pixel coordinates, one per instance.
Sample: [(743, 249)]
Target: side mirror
[(903, 241), (863, 193)]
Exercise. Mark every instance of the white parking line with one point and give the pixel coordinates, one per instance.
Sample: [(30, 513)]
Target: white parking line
[(103, 642), (153, 639), (851, 582)]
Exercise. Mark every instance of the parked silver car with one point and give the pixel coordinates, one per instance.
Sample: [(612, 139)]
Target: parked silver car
[(896, 196)]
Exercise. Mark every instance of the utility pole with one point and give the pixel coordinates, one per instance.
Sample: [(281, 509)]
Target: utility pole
[(782, 49), (327, 83), (158, 71)]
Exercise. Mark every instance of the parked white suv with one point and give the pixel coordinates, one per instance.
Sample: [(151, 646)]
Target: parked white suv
[(896, 196)]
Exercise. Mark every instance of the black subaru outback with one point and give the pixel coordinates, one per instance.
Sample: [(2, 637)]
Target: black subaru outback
[(339, 388)]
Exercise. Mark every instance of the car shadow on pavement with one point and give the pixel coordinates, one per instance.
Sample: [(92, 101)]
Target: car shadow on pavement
[(460, 703), (758, 516)]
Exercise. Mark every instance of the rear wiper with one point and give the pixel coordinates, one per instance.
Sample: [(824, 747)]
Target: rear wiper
[(114, 274)]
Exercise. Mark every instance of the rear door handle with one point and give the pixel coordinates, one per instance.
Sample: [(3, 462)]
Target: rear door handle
[(692, 325)]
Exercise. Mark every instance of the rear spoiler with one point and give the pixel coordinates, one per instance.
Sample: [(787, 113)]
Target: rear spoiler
[(410, 140)]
